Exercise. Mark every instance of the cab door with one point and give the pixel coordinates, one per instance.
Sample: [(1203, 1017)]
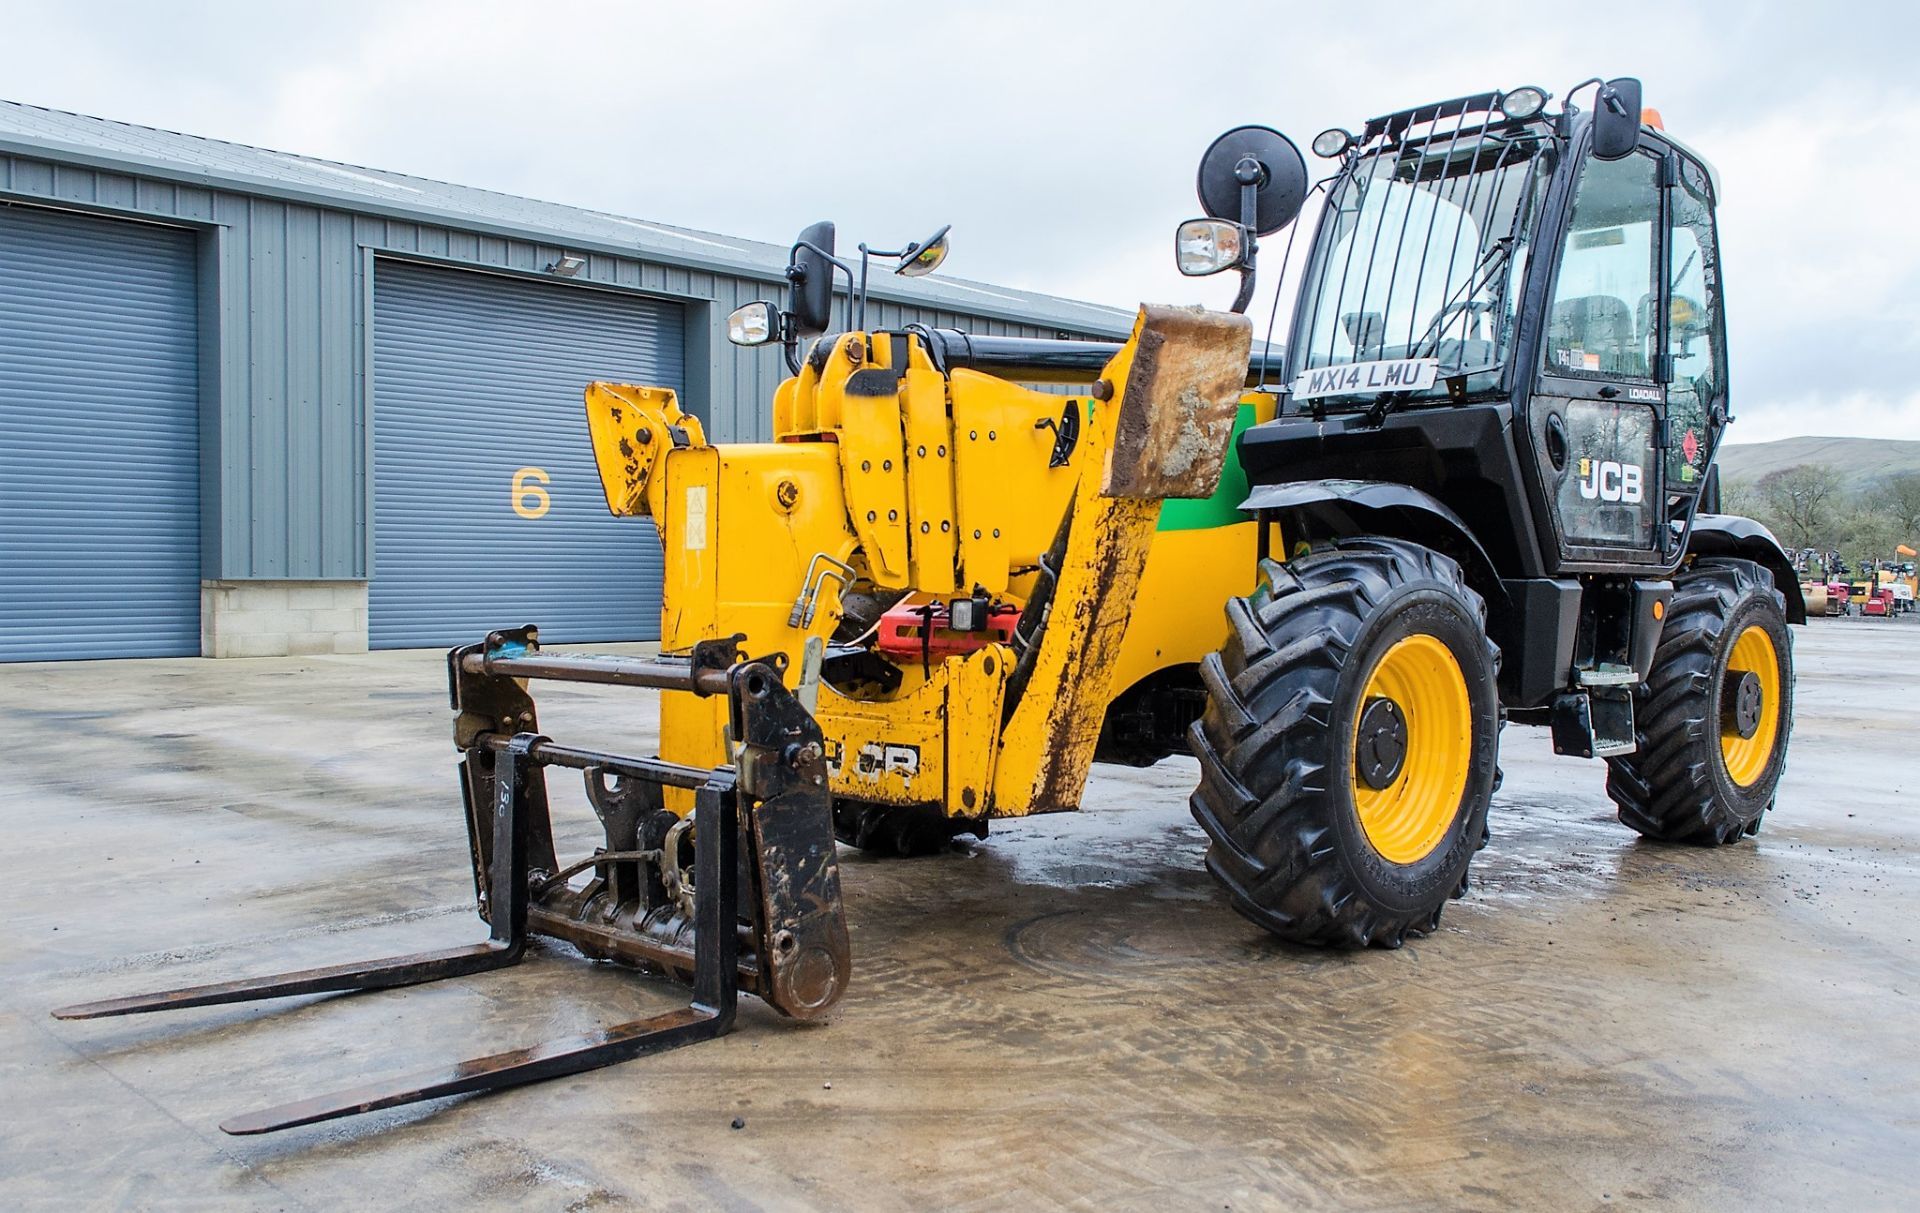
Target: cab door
[(1599, 398), (1695, 367)]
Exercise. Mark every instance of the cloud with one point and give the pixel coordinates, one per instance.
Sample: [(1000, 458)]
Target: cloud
[(1059, 139), (1822, 263), (1849, 414)]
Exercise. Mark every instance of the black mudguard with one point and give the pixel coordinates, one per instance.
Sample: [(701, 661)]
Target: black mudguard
[(1732, 535), (1345, 508)]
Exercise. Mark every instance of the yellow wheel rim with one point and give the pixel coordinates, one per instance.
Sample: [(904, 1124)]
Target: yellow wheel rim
[(1747, 757), (1408, 818)]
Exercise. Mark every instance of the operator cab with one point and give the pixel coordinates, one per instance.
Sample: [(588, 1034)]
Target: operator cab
[(1549, 280), (1508, 344)]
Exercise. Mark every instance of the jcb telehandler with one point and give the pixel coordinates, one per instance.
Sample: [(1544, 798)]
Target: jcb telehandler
[(1473, 487)]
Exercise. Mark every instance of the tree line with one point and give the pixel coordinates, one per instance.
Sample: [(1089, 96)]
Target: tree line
[(1811, 505)]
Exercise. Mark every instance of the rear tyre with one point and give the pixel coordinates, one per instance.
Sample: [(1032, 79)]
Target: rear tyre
[(900, 831), (1714, 715), (1348, 749)]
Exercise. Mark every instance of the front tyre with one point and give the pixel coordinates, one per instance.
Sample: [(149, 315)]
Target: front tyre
[(1348, 748), (1715, 712)]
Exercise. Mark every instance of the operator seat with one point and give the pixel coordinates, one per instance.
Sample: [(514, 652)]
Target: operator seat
[(1597, 324)]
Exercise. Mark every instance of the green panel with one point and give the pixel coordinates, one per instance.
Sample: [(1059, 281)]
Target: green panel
[(1223, 508)]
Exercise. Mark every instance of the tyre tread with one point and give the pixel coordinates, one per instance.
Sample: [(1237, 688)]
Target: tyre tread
[(1263, 798), (1664, 790)]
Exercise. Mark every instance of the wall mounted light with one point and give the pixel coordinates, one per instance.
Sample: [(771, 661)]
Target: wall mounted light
[(567, 266)]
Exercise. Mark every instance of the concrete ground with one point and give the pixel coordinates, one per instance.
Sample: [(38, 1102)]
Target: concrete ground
[(1068, 1016)]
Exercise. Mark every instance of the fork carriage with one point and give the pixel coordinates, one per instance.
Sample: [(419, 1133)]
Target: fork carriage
[(666, 892)]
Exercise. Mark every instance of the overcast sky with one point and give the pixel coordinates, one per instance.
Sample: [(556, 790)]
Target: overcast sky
[(1059, 139)]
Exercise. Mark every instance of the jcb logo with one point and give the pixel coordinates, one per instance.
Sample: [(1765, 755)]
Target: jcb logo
[(1605, 480), (876, 759)]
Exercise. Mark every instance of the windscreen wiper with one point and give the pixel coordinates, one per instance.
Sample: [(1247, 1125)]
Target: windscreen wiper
[(1481, 274), (1490, 263)]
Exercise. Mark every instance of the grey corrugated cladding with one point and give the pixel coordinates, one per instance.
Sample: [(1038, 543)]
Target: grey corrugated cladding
[(211, 163), (287, 244)]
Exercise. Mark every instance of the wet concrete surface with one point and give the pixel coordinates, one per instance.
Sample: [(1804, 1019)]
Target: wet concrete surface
[(1066, 1016)]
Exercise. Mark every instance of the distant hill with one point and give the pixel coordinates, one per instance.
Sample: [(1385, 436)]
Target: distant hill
[(1860, 459)]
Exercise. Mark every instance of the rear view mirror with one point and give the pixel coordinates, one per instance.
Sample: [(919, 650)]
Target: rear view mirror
[(919, 260), (1257, 160), (811, 272), (1254, 181), (1366, 330), (1616, 119)]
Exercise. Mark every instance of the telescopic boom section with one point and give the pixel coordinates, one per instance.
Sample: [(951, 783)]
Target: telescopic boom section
[(913, 469)]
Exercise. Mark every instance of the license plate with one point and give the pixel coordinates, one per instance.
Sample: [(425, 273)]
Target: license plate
[(1388, 375)]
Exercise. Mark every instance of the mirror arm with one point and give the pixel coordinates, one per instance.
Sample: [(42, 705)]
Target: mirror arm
[(1245, 297), (859, 323), (1247, 173), (789, 343)]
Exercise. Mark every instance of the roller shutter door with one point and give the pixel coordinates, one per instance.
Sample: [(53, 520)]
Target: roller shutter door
[(487, 508), (99, 439)]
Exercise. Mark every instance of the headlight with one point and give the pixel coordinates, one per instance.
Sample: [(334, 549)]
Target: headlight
[(1331, 142), (753, 323), (1207, 246), (1524, 102)]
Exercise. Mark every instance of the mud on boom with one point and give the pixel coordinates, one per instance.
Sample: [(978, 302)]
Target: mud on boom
[(1473, 487)]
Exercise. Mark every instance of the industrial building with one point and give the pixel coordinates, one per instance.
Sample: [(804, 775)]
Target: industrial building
[(256, 403)]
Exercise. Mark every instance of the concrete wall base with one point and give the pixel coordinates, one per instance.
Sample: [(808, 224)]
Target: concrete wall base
[(282, 618)]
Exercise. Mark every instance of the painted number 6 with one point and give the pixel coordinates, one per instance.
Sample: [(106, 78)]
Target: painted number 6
[(529, 499)]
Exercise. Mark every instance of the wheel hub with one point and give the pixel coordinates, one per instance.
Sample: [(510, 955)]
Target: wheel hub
[(1742, 701), (1380, 743), (1409, 781), (1753, 692)]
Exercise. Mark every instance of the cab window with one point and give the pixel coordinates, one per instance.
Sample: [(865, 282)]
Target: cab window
[(1604, 300), (1695, 331)]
